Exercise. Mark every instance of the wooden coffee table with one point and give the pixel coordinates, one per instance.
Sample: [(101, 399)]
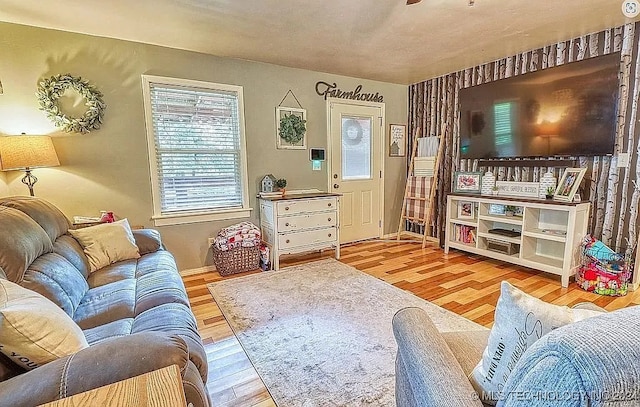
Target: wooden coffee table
[(160, 388)]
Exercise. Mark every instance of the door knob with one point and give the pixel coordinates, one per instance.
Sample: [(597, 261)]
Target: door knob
[(335, 176), (336, 186)]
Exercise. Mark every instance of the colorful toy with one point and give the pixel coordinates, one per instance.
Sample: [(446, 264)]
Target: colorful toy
[(603, 271)]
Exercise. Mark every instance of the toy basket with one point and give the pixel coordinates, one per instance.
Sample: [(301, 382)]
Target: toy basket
[(603, 271), (236, 260), (237, 248)]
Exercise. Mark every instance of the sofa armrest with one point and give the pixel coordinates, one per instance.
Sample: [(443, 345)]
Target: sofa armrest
[(427, 372), (589, 306), (96, 366), (147, 240)]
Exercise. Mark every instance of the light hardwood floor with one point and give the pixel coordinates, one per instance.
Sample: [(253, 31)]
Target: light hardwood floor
[(466, 284)]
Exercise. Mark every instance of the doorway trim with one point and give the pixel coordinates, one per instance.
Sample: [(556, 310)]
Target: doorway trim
[(383, 148)]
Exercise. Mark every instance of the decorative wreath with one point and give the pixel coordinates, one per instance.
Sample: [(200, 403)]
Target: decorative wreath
[(50, 90), (292, 128)]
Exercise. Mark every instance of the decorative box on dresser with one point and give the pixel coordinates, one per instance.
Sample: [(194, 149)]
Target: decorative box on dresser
[(299, 223)]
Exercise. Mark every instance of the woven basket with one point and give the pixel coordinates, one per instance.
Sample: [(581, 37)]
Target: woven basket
[(236, 260)]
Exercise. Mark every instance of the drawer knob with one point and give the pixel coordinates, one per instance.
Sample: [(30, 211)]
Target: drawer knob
[(329, 234), (286, 208), (286, 224), (329, 219), (329, 204), (287, 241)]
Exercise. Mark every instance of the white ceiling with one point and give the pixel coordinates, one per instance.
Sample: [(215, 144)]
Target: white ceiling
[(383, 40)]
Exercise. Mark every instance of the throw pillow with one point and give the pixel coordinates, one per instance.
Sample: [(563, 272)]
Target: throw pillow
[(107, 243), (33, 330), (520, 320)]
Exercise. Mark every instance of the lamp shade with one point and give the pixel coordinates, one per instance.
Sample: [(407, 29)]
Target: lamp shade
[(20, 152)]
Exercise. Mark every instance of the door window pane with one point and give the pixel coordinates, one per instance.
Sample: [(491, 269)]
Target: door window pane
[(356, 147)]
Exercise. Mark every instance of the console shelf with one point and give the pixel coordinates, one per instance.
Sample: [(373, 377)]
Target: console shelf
[(550, 232)]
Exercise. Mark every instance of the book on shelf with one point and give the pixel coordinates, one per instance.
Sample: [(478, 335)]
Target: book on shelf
[(465, 234)]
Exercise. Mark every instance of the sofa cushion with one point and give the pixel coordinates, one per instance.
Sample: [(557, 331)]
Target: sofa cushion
[(54, 277), (595, 361), (69, 248), (176, 319), (106, 303), (22, 240), (50, 218), (33, 330), (121, 327), (107, 243), (467, 347), (119, 271), (520, 320)]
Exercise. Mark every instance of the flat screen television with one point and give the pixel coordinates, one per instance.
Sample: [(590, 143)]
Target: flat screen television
[(568, 110)]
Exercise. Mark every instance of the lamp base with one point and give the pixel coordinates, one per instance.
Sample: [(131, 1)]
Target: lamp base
[(29, 180)]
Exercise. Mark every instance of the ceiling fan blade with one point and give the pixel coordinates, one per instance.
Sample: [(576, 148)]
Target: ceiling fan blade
[(413, 2)]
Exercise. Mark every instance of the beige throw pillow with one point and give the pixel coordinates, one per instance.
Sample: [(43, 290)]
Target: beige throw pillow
[(33, 330), (107, 243), (520, 320)]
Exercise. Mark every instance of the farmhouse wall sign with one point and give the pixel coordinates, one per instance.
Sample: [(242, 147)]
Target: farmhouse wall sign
[(513, 188), (331, 90)]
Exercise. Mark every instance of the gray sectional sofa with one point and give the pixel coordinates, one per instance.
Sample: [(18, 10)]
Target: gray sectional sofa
[(591, 363), (135, 314)]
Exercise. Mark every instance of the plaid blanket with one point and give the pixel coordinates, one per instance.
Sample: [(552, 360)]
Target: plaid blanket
[(419, 187), (244, 234)]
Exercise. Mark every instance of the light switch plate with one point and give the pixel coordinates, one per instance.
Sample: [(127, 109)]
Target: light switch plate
[(623, 160), (316, 165)]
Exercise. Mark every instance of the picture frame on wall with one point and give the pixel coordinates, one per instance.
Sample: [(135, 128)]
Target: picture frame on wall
[(283, 144), (467, 182), (569, 184), (397, 140), (466, 210)]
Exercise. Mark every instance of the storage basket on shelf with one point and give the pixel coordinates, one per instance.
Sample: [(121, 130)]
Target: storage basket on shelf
[(237, 249), (603, 271)]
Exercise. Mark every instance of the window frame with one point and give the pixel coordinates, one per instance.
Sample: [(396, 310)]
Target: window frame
[(194, 216)]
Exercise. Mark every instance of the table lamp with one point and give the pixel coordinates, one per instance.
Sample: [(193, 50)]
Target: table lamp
[(26, 153)]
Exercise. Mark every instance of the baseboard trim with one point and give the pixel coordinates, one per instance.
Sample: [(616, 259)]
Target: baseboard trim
[(199, 270)]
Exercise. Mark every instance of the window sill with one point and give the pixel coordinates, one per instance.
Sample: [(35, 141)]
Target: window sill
[(195, 217)]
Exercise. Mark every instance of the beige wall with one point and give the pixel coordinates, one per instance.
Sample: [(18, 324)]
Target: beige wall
[(108, 169), (4, 189)]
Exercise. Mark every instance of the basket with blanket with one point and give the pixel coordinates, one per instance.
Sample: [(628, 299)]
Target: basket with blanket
[(237, 248)]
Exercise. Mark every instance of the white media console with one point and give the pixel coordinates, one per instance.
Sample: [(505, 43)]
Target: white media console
[(546, 234)]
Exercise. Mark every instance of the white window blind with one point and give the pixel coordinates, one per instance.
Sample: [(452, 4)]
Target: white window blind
[(198, 147), (502, 119)]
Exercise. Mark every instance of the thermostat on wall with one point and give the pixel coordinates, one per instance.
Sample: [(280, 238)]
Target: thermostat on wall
[(316, 154)]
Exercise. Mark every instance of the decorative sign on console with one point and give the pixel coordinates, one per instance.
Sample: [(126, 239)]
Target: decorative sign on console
[(520, 189), (331, 90)]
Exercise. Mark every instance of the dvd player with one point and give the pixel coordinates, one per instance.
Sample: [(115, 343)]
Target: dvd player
[(505, 232)]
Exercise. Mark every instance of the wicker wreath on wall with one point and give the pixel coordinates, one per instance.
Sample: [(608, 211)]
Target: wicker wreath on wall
[(50, 90)]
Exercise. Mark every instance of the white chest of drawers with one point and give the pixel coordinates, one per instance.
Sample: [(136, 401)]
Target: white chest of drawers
[(300, 223)]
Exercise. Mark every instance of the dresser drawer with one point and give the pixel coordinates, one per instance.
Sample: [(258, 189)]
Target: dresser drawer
[(307, 238), (306, 205), (306, 221)]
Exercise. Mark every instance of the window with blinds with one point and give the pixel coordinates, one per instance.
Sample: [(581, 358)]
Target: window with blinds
[(196, 146)]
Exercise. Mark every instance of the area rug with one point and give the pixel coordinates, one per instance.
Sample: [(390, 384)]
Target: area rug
[(320, 334)]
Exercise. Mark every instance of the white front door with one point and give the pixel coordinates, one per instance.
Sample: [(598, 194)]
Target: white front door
[(356, 136)]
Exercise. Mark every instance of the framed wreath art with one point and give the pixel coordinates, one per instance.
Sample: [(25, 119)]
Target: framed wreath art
[(292, 128), (50, 90)]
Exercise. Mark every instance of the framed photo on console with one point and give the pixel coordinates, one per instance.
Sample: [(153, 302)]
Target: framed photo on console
[(467, 182), (497, 209), (569, 184), (466, 210)]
